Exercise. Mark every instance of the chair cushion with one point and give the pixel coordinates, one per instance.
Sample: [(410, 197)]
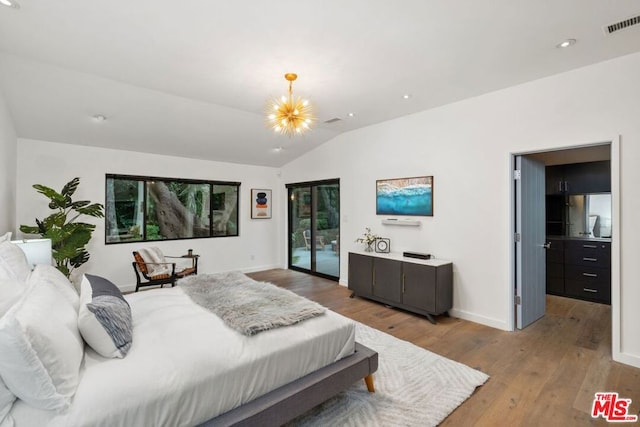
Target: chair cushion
[(104, 319), (140, 261), (186, 272)]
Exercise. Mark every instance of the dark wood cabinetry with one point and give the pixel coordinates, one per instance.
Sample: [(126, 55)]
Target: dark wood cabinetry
[(555, 267), (420, 286), (578, 178), (579, 269)]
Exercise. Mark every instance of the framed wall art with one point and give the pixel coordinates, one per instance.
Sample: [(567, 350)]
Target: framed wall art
[(405, 196), (260, 204)]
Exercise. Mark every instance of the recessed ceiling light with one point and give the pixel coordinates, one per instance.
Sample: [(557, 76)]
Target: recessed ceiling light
[(351, 114), (406, 96), (97, 117), (566, 43), (10, 3), (278, 149)]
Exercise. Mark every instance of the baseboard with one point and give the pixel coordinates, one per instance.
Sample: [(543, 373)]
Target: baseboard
[(483, 320), (254, 269), (627, 359)]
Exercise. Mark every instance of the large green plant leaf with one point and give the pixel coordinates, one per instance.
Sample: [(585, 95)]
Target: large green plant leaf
[(70, 187), (79, 204), (57, 236), (79, 259), (55, 197), (57, 219), (29, 229), (95, 210)]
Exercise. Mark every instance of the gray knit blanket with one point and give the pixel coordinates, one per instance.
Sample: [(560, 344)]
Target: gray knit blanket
[(246, 305)]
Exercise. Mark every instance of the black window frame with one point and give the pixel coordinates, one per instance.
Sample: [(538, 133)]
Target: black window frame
[(146, 180)]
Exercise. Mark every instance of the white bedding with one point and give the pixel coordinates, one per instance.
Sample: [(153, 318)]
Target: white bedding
[(185, 366)]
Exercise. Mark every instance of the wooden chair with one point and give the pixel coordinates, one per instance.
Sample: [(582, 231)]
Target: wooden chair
[(148, 274), (307, 240)]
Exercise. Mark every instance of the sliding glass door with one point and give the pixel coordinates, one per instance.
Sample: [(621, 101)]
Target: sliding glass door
[(314, 227)]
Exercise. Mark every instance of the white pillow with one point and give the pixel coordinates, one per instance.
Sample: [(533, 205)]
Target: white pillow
[(41, 349), (104, 318), (6, 237), (13, 262), (10, 292), (49, 275), (6, 402)]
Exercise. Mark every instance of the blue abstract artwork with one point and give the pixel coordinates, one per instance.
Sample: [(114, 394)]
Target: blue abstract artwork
[(405, 196)]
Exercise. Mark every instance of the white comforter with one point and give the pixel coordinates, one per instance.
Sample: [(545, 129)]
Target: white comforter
[(186, 366)]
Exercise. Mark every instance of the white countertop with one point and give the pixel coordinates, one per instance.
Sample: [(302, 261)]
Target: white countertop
[(397, 256)]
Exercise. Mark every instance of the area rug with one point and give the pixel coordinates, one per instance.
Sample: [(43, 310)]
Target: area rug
[(414, 387)]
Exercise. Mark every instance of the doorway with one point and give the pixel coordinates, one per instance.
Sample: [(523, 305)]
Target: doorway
[(314, 228), (578, 154)]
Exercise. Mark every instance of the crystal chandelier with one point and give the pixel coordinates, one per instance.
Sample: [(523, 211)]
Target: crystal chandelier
[(289, 116)]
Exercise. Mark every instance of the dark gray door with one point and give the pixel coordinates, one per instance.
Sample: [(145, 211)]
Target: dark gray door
[(360, 274), (419, 286), (530, 240), (386, 279)]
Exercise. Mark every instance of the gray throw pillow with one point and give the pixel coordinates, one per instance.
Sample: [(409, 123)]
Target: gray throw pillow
[(105, 317)]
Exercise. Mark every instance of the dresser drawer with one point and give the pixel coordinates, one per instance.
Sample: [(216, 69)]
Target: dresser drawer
[(588, 253), (597, 292), (589, 275)]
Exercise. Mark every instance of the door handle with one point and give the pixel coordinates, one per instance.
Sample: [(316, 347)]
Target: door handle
[(547, 245), (590, 259)]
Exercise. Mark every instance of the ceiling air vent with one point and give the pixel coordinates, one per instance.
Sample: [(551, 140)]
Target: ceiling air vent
[(612, 28), (335, 119)]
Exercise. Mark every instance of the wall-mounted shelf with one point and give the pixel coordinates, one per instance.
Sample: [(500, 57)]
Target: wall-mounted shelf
[(411, 222)]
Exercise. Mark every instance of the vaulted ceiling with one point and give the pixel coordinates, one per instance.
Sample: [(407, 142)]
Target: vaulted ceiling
[(192, 78)]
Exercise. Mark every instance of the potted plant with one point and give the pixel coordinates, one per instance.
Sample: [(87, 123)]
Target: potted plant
[(368, 238), (69, 237)]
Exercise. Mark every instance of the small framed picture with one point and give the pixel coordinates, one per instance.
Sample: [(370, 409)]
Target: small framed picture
[(260, 204)]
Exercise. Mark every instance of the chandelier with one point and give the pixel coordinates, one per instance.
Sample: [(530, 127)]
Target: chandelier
[(289, 116)]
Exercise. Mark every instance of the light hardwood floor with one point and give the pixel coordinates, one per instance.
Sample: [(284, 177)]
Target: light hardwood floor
[(546, 374)]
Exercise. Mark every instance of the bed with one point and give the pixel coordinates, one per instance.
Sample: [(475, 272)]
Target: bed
[(185, 366)]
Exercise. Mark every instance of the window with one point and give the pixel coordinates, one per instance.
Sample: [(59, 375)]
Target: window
[(147, 209)]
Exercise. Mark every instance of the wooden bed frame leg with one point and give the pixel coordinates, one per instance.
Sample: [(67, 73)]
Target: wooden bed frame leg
[(368, 380)]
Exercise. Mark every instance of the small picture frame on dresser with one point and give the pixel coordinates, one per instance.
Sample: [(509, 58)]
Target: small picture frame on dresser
[(383, 245)]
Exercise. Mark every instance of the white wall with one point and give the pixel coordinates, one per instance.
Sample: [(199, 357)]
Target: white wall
[(8, 141), (54, 164), (466, 146)]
